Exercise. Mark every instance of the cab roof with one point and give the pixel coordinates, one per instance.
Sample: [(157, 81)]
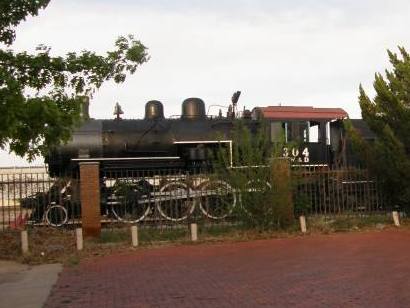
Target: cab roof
[(299, 113)]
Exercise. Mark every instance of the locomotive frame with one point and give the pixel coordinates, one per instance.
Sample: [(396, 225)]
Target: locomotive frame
[(157, 144)]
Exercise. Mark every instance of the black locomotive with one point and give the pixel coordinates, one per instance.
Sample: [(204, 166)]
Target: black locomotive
[(154, 142), (159, 146), (185, 142)]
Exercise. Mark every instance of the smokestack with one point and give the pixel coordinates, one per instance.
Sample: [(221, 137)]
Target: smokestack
[(85, 103)]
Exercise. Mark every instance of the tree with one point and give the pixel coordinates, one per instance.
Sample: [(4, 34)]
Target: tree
[(263, 190), (41, 95), (388, 116)]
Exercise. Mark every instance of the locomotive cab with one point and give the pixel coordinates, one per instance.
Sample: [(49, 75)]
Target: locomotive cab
[(308, 133)]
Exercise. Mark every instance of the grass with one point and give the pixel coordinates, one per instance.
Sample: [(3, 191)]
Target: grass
[(73, 260), (219, 230), (117, 235), (46, 245), (149, 236), (49, 245), (347, 222)]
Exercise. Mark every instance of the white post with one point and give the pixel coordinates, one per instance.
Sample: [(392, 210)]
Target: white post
[(24, 242), (396, 218), (134, 236), (302, 220), (79, 238), (194, 232)]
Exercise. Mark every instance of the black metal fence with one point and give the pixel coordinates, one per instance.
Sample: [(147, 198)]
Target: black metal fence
[(165, 197), (320, 190), (174, 197), (36, 199)]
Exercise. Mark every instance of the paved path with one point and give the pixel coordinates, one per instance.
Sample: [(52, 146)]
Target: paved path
[(24, 286), (344, 270)]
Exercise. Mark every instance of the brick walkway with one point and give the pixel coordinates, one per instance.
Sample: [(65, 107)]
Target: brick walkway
[(345, 270)]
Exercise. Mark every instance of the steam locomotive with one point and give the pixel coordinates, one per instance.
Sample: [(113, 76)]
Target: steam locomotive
[(313, 136), (186, 142)]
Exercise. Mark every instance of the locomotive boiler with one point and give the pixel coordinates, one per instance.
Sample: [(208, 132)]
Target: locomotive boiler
[(149, 143), (188, 141)]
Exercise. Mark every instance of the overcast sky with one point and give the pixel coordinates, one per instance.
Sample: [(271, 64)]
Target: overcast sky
[(304, 53)]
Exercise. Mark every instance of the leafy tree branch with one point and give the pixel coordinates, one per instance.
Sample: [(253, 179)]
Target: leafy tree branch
[(41, 94)]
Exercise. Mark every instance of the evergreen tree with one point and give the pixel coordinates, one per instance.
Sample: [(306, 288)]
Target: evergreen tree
[(388, 115), (41, 95)]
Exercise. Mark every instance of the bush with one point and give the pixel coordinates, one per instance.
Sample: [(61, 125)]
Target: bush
[(260, 177)]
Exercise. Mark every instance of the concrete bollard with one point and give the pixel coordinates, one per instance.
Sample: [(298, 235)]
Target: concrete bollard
[(79, 238), (194, 232), (134, 236), (396, 218), (24, 242), (302, 220)]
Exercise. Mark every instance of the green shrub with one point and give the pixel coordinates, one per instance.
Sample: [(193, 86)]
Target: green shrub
[(260, 178)]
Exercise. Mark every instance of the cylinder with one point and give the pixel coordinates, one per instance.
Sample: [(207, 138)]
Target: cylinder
[(302, 220), (193, 108), (85, 103), (396, 219), (194, 232), (154, 110), (24, 242), (134, 236), (79, 238)]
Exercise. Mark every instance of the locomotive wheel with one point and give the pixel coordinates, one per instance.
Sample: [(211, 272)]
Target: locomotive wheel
[(174, 203), (218, 199), (252, 188), (127, 209), (258, 186), (56, 215)]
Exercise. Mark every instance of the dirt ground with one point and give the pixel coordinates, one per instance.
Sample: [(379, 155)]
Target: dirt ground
[(358, 269)]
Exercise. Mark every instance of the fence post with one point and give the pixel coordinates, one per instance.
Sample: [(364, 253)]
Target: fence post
[(24, 242), (134, 236), (194, 232), (79, 238), (302, 220), (90, 198), (396, 218)]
